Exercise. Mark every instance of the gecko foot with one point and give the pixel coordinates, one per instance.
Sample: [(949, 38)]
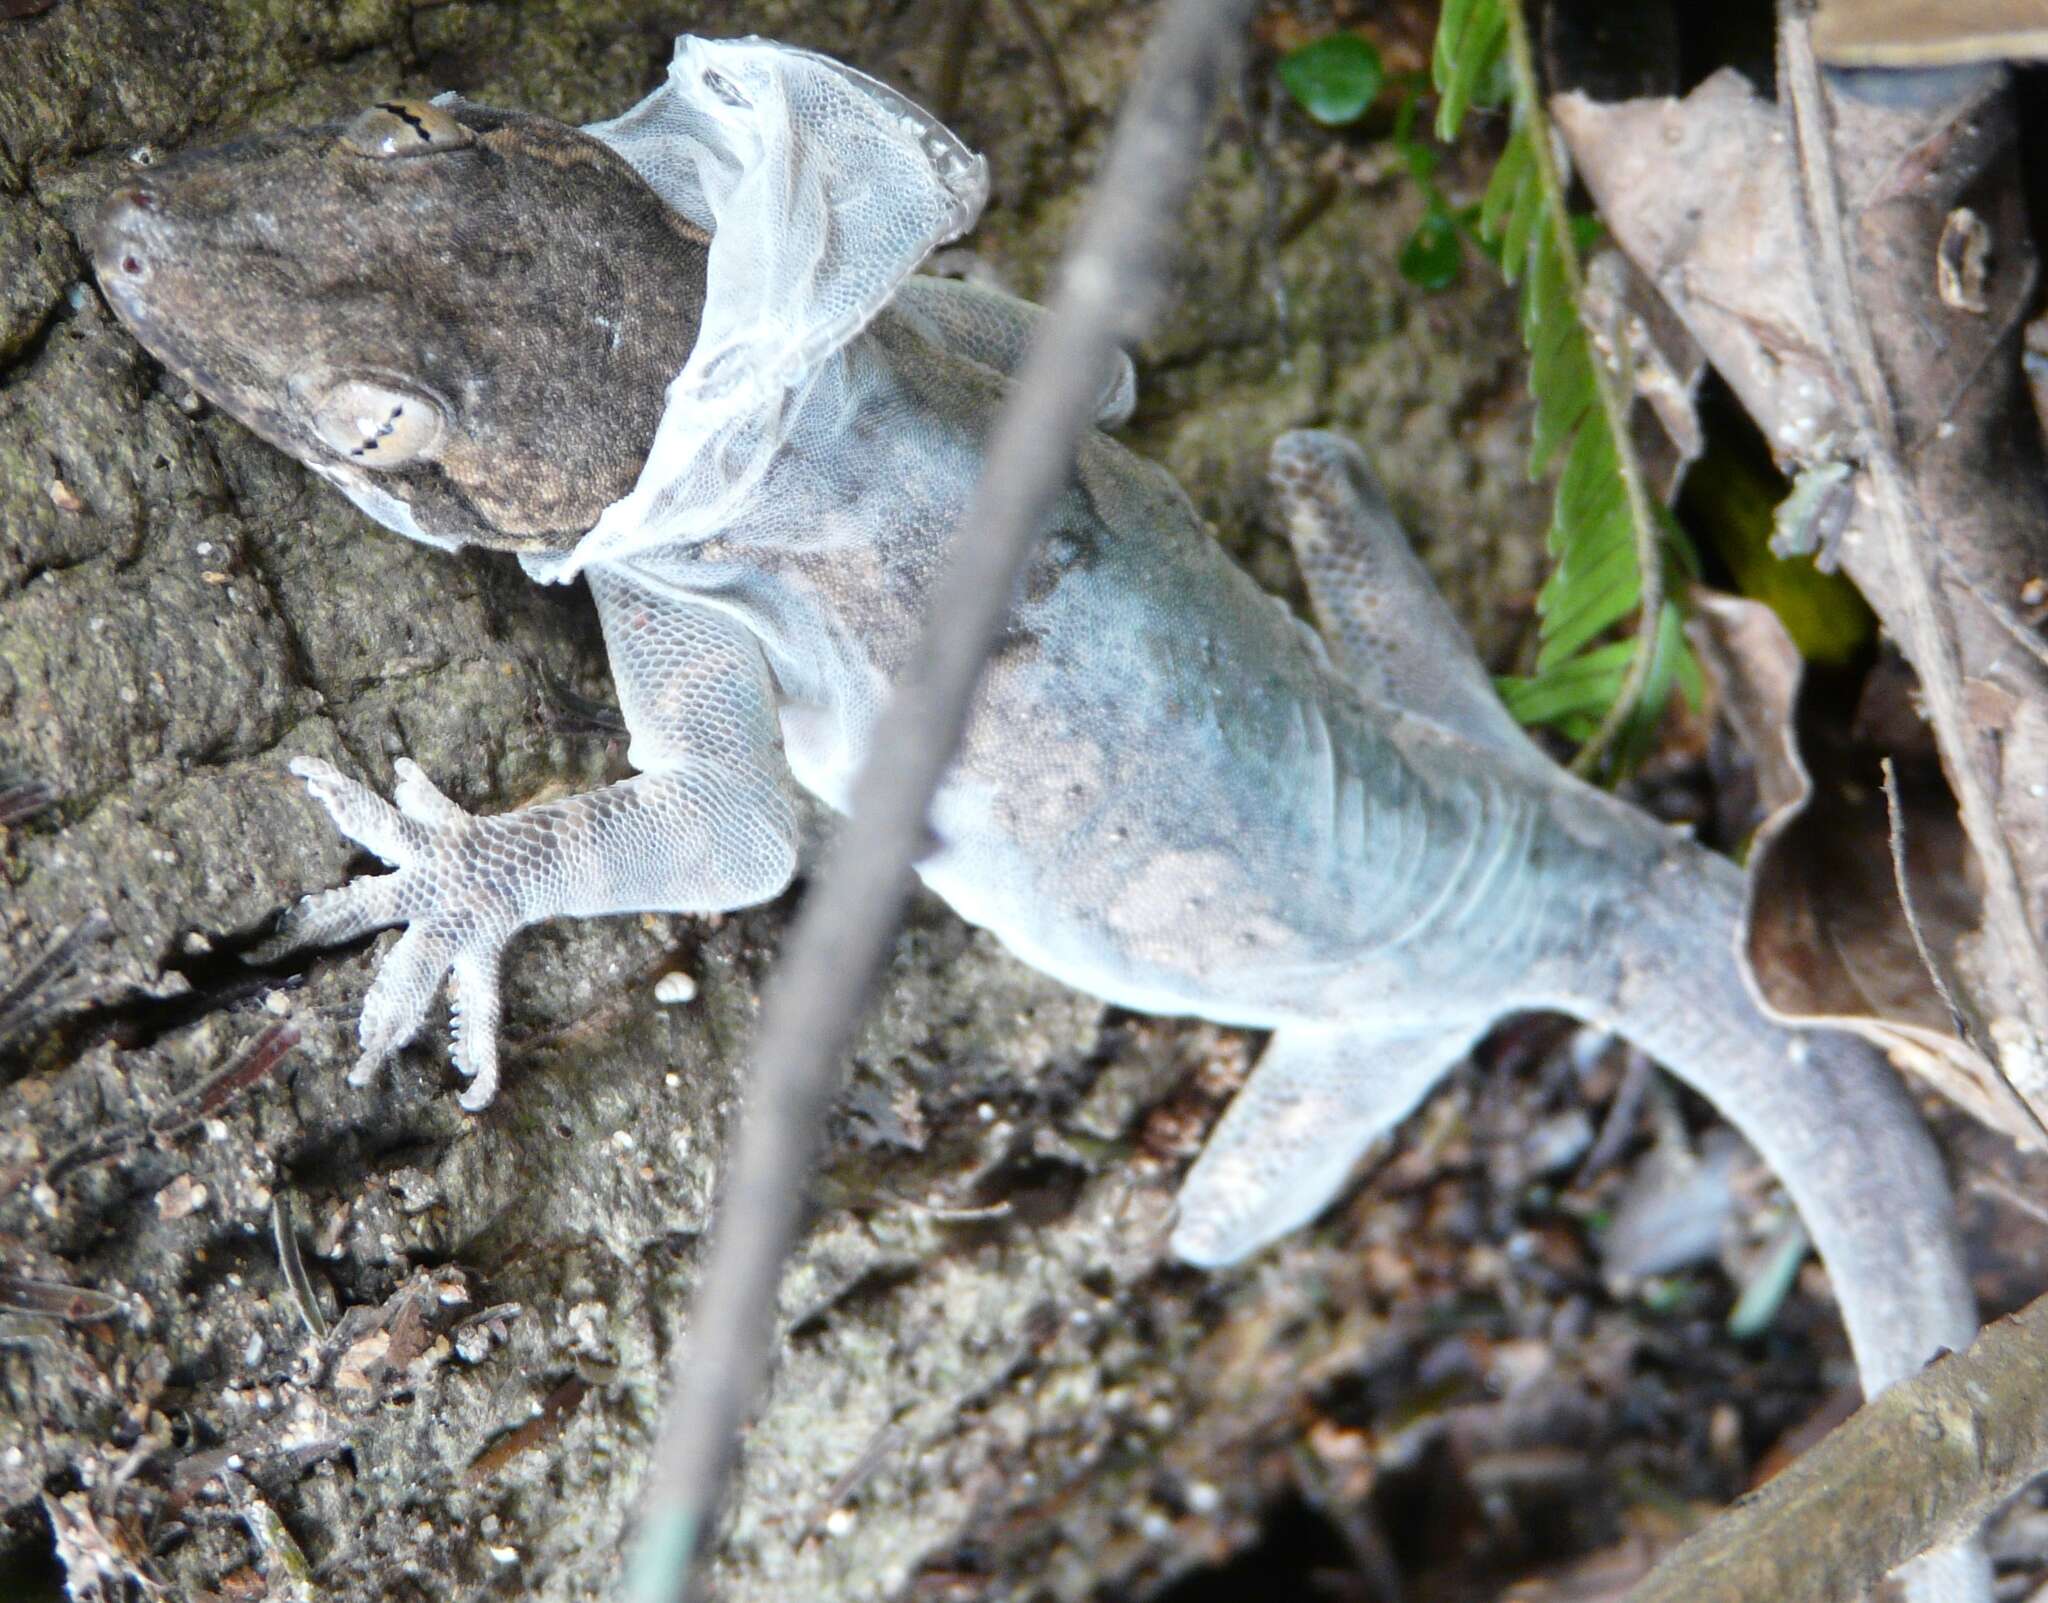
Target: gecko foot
[(455, 890), (1315, 1101)]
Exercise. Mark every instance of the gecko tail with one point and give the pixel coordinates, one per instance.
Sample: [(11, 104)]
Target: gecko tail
[(1834, 1122)]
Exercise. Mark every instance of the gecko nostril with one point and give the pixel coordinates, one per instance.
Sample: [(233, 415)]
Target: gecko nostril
[(131, 264)]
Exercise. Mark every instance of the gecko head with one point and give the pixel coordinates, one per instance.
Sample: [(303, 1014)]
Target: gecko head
[(472, 314)]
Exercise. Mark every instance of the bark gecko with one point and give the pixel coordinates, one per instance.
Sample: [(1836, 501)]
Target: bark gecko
[(685, 355)]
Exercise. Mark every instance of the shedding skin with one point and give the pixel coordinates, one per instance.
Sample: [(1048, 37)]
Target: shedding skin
[(1172, 794)]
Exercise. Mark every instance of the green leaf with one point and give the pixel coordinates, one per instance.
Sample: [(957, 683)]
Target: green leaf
[(1467, 67), (1588, 604), (1507, 177), (1525, 220), (1586, 685), (1604, 528), (1590, 486), (1432, 256), (1334, 79), (1564, 387), (1548, 312), (1450, 33)]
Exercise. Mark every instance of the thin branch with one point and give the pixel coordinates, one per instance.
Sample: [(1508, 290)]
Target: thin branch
[(1108, 289), (1895, 814), (1047, 57), (284, 1233), (1919, 1468)]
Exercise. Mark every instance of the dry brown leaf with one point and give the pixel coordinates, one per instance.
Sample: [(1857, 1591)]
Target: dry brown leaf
[(1637, 331), (1828, 941), (1902, 387), (1723, 244)]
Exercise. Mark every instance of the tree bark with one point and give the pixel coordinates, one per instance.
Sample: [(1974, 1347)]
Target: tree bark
[(1922, 1466)]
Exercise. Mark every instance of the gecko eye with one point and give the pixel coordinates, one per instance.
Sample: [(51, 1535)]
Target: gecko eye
[(375, 426), (725, 89), (405, 128)]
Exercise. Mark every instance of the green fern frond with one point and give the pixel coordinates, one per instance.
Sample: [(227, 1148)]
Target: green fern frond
[(1609, 540)]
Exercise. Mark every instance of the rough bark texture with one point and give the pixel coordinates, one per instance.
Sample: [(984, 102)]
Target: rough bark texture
[(1974, 1428), (990, 1383)]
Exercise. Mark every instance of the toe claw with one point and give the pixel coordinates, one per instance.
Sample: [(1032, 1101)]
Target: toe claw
[(362, 815), (327, 918), (479, 1093), (474, 1009), (396, 1005), (419, 798)]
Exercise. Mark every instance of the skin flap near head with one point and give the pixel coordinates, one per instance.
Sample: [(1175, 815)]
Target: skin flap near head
[(822, 191)]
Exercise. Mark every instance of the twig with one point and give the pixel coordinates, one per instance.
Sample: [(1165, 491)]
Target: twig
[(246, 1068), (1108, 289), (1989, 1183), (1620, 1122), (248, 1065), (56, 1299), (880, 1445), (553, 1418), (1918, 1468), (1372, 1556), (284, 1234), (1048, 58), (21, 802), (1900, 518), (1896, 818), (57, 958)]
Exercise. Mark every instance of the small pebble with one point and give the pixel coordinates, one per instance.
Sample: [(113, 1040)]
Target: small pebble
[(674, 988), (181, 1197)]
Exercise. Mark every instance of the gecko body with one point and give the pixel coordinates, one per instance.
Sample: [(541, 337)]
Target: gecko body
[(683, 354)]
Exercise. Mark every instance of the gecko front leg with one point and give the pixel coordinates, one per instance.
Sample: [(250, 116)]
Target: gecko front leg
[(992, 328), (706, 827)]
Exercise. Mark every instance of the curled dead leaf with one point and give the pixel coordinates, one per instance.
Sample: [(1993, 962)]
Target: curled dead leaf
[(1802, 244), (1827, 939)]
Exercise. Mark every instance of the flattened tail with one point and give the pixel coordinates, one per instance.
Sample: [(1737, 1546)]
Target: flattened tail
[(1835, 1123)]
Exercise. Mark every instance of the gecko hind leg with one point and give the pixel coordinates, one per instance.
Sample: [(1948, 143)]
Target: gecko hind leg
[(1315, 1100), (1387, 627)]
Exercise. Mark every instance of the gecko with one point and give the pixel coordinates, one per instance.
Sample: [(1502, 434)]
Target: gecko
[(687, 356)]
